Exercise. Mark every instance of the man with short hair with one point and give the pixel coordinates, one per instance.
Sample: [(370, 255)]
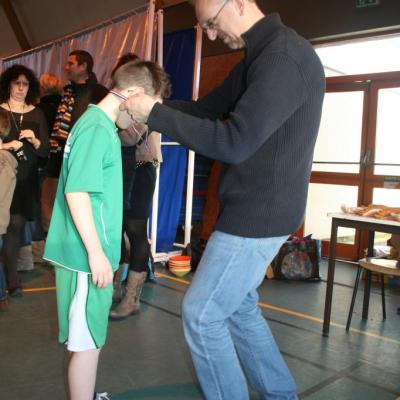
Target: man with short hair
[(272, 102), (79, 66), (82, 88)]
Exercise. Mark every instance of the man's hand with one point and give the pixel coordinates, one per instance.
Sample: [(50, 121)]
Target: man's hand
[(131, 135), (124, 120), (102, 274), (139, 106)]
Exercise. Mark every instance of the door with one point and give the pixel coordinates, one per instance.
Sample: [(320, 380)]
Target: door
[(382, 175), (356, 159)]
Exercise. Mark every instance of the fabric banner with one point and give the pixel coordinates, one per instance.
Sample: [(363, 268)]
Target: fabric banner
[(106, 42), (179, 52)]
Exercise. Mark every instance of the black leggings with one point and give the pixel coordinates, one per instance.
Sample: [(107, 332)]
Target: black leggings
[(136, 230), (136, 215), (12, 244)]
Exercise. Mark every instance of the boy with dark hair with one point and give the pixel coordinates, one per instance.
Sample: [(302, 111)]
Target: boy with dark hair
[(84, 239)]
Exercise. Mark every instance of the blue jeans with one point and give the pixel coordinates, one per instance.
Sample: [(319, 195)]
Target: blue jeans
[(222, 322)]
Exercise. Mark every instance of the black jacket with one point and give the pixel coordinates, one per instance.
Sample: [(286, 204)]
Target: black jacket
[(49, 105)]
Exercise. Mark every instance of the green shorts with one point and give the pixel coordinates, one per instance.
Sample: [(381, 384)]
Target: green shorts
[(83, 310)]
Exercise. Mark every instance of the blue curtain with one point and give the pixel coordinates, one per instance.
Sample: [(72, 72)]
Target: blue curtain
[(179, 48), (202, 168)]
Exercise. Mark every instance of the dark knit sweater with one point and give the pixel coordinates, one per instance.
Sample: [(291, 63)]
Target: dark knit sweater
[(272, 100)]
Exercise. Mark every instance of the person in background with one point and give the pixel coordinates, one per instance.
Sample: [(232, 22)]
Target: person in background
[(262, 123), (141, 153), (32, 241), (8, 173), (84, 239), (50, 97), (19, 90), (76, 96)]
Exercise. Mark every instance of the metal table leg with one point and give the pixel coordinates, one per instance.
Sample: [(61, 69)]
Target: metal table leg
[(367, 290), (331, 275)]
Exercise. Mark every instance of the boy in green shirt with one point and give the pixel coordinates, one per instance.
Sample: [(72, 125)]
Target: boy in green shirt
[(84, 238)]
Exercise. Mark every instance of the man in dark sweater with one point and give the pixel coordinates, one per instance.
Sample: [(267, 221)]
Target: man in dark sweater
[(272, 103), (82, 88)]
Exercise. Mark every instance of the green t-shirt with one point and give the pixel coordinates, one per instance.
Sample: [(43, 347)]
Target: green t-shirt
[(91, 164)]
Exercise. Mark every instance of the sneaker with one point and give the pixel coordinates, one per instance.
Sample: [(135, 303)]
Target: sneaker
[(101, 396)]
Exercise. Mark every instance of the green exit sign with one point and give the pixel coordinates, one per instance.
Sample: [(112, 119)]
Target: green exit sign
[(367, 3)]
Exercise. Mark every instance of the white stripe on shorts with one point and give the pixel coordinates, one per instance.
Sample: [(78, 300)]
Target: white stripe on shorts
[(79, 337)]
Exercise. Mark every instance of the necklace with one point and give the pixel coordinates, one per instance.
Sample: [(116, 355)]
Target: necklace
[(21, 118)]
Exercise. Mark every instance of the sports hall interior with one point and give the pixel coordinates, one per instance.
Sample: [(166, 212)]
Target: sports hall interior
[(146, 355)]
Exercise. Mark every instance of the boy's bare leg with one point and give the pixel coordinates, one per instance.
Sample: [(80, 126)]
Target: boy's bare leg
[(82, 372)]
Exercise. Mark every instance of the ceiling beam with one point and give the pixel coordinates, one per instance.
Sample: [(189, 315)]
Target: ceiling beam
[(168, 3), (15, 24)]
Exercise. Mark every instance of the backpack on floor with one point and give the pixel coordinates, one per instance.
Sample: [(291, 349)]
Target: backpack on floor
[(298, 259)]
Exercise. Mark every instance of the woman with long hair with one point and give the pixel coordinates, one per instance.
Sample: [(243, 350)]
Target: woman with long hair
[(19, 91)]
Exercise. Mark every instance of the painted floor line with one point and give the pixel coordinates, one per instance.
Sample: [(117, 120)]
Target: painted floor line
[(45, 289), (297, 314), (171, 278), (262, 305)]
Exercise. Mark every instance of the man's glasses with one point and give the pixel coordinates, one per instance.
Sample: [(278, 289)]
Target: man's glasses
[(120, 95), (20, 83), (210, 23)]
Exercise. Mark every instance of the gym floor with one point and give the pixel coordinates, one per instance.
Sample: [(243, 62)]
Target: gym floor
[(146, 355)]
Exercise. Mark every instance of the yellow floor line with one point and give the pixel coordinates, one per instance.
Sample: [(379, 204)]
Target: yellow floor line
[(321, 321), (262, 305), (297, 314), (171, 278), (46, 289), (290, 312)]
